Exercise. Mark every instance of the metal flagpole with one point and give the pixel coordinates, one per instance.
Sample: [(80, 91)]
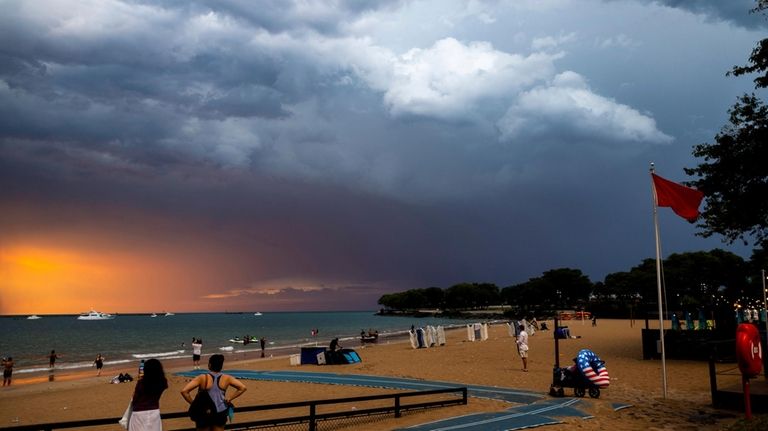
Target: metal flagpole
[(765, 306), (658, 286)]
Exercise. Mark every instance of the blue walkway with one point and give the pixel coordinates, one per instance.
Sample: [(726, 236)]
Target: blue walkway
[(503, 394), (536, 409), (515, 418)]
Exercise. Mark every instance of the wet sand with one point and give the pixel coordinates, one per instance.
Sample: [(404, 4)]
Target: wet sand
[(81, 395)]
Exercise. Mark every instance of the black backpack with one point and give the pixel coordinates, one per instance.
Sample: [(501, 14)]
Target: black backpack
[(202, 406)]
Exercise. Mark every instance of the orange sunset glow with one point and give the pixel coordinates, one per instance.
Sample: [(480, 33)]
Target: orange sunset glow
[(48, 280)]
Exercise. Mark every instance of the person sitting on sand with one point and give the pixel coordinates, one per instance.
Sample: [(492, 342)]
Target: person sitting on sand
[(332, 354)]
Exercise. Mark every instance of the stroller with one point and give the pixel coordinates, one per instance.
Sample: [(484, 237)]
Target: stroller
[(588, 374)]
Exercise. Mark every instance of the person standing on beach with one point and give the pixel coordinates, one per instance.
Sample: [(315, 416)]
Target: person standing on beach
[(146, 398), (262, 342), (7, 371), (99, 362), (522, 346), (52, 359), (216, 384), (197, 350)]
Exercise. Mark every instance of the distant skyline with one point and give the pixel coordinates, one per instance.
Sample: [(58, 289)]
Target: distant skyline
[(218, 155)]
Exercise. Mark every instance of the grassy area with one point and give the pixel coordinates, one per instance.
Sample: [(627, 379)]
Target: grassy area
[(757, 423)]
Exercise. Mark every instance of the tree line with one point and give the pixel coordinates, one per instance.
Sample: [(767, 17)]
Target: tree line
[(693, 280)]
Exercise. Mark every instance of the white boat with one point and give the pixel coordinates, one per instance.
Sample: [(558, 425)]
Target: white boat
[(257, 314), (95, 315), (168, 313), (33, 317), (153, 315)]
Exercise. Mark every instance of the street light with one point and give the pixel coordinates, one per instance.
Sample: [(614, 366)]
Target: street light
[(765, 305)]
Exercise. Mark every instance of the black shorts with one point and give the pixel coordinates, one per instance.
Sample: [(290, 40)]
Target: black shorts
[(195, 357), (217, 419), (7, 374)]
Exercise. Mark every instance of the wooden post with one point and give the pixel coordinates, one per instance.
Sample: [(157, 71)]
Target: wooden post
[(713, 381), (557, 344)]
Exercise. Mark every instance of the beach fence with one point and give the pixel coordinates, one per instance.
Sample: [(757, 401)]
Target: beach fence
[(346, 409)]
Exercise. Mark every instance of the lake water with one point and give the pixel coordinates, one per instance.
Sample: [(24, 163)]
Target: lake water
[(129, 338)]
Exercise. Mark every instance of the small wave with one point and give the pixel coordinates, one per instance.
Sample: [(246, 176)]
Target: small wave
[(156, 355), (30, 370), (227, 348), (69, 366), (121, 361)]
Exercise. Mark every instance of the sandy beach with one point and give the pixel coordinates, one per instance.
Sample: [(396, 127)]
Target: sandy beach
[(634, 381)]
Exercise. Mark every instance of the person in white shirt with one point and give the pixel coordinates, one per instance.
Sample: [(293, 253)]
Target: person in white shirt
[(522, 347), (197, 350)]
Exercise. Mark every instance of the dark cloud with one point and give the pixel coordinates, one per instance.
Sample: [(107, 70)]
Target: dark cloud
[(321, 149), (733, 11)]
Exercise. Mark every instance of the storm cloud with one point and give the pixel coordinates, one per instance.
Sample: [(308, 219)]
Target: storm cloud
[(350, 144)]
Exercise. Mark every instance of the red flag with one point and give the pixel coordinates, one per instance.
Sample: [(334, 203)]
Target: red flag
[(683, 200)]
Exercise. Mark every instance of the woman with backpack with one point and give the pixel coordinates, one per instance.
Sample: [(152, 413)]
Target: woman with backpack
[(210, 406)]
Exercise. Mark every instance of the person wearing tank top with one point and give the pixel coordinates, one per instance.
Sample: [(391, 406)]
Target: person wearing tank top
[(216, 384)]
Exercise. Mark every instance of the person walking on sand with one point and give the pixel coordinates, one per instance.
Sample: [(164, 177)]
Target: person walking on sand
[(146, 398), (99, 362), (52, 359), (522, 346), (197, 350), (7, 371), (262, 342), (216, 384)]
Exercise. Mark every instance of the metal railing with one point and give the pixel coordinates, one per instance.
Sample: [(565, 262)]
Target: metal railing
[(311, 419)]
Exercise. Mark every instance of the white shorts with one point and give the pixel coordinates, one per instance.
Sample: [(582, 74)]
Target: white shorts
[(147, 420)]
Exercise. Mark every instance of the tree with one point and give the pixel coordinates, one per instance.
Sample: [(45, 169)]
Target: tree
[(695, 279), (434, 296), (734, 174), (563, 287), (758, 61), (471, 295), (638, 282)]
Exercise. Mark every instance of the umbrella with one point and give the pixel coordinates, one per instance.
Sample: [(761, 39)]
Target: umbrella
[(688, 321), (702, 320), (675, 322)]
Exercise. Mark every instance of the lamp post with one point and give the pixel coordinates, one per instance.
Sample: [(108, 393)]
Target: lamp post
[(765, 307)]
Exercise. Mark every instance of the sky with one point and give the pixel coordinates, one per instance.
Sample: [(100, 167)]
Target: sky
[(281, 155)]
